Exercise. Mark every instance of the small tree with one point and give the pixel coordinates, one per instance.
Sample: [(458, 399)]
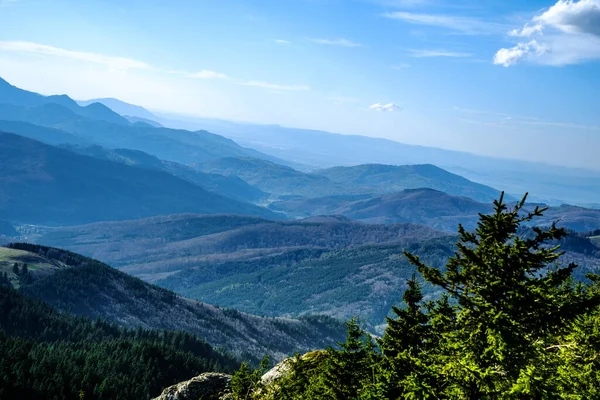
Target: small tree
[(246, 382), (345, 371)]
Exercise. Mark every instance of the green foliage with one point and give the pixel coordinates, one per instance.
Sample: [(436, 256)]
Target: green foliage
[(90, 288), (512, 324), (246, 380), (45, 354)]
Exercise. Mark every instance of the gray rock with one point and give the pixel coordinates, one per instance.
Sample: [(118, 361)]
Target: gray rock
[(207, 386)]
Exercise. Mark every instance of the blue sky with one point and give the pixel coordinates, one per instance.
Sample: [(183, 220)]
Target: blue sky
[(505, 78)]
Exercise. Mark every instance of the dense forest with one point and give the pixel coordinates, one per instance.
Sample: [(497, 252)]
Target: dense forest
[(511, 324), (45, 354)]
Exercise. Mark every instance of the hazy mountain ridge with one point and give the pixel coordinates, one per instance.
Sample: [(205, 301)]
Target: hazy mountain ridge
[(390, 178), (229, 186), (284, 182), (321, 149), (98, 124), (42, 184), (430, 207)]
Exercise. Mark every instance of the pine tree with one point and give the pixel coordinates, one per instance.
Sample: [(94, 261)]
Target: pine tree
[(402, 343), (512, 301), (345, 371)]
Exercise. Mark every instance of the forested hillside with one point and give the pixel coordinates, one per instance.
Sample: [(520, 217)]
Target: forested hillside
[(45, 354), (89, 288), (177, 242), (329, 265)]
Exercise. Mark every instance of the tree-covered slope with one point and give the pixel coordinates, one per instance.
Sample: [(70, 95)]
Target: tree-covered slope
[(95, 290), (47, 354), (46, 185), (152, 247), (513, 322), (364, 281)]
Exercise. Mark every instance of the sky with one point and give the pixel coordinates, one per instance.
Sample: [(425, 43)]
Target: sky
[(510, 79)]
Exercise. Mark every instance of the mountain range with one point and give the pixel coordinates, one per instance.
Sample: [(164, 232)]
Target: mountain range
[(42, 184), (97, 124), (284, 182), (315, 149), (429, 207)]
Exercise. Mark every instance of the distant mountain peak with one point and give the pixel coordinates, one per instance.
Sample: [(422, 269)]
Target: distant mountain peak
[(121, 107)]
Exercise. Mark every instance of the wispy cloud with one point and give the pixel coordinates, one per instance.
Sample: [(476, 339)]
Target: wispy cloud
[(207, 75), (502, 119), (391, 107), (281, 41), (566, 33), (401, 66), (475, 111), (438, 53), (405, 3), (458, 24), (123, 63), (260, 84), (7, 3), (117, 63), (274, 86), (336, 42)]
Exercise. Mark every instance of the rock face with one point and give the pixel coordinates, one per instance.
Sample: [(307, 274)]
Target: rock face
[(215, 386), (208, 386)]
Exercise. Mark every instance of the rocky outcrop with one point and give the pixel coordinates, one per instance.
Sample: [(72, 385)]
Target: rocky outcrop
[(215, 386), (208, 386)]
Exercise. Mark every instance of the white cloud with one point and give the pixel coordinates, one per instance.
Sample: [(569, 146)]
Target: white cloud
[(459, 24), (569, 16), (336, 42), (391, 107), (568, 32), (273, 86), (204, 74), (510, 56), (438, 53), (281, 41), (527, 30), (401, 66), (116, 63)]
